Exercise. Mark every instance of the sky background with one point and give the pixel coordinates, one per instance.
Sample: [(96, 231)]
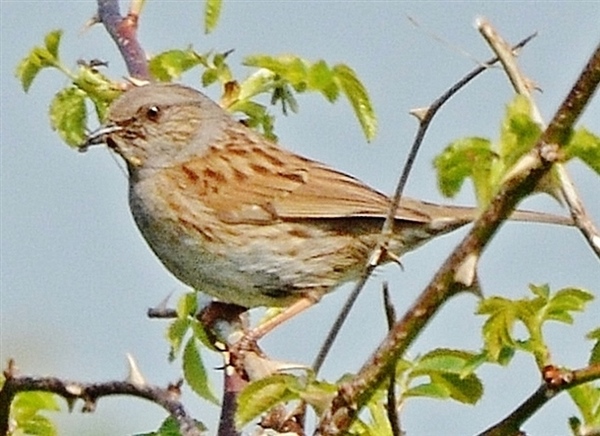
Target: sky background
[(77, 277)]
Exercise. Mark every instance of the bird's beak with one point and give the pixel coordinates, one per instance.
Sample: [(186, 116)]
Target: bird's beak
[(99, 136)]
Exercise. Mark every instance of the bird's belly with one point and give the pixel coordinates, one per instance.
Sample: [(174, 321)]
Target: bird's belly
[(248, 264)]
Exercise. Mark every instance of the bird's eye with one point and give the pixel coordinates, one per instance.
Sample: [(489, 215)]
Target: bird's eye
[(153, 112)]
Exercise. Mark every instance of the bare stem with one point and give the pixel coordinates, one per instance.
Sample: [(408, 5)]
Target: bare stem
[(123, 31)]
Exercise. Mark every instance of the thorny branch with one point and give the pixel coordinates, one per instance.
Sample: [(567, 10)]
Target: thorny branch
[(459, 269), (522, 86), (550, 387), (90, 393), (425, 117)]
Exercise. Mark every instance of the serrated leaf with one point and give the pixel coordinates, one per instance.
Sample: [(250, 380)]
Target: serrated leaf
[(68, 115), (187, 305), (201, 334), (586, 146), (52, 42), (38, 425), (498, 327), (431, 390), (170, 427), (565, 301), (321, 78), (467, 390), (25, 411), (261, 395), (359, 98), (319, 394), (595, 354), (38, 59), (519, 132), (466, 158), (171, 64), (36, 400), (99, 89), (212, 12), (175, 333), (195, 373), (442, 360), (587, 399), (292, 69)]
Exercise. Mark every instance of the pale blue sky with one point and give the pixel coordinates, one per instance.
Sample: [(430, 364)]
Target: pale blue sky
[(76, 276)]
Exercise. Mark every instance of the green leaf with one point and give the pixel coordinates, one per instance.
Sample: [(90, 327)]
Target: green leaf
[(171, 64), (430, 390), (466, 390), (498, 327), (212, 12), (187, 305), (446, 371), (519, 132), (25, 411), (595, 354), (261, 395), (587, 399), (195, 373), (321, 78), (52, 42), (99, 88), (170, 427), (469, 157), (38, 425), (68, 115), (319, 395), (358, 97), (586, 146), (175, 334), (565, 301), (443, 360), (38, 59)]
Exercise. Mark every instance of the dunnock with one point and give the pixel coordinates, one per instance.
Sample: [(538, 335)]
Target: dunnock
[(236, 216)]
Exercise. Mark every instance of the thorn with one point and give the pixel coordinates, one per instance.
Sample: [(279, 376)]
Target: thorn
[(466, 272), (136, 82), (11, 369), (419, 113), (89, 406), (135, 376), (163, 305), (70, 403), (174, 389), (92, 21), (395, 259)]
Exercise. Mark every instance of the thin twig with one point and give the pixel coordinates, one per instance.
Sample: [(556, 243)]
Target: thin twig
[(387, 228), (391, 407), (354, 394), (90, 393), (511, 425)]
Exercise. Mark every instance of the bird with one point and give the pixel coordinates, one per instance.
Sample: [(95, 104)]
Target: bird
[(243, 219)]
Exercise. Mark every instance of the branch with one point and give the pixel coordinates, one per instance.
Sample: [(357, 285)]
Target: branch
[(450, 279), (555, 381), (425, 117), (167, 398), (123, 31), (523, 87)]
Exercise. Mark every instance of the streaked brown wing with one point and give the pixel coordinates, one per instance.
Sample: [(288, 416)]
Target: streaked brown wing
[(261, 184)]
